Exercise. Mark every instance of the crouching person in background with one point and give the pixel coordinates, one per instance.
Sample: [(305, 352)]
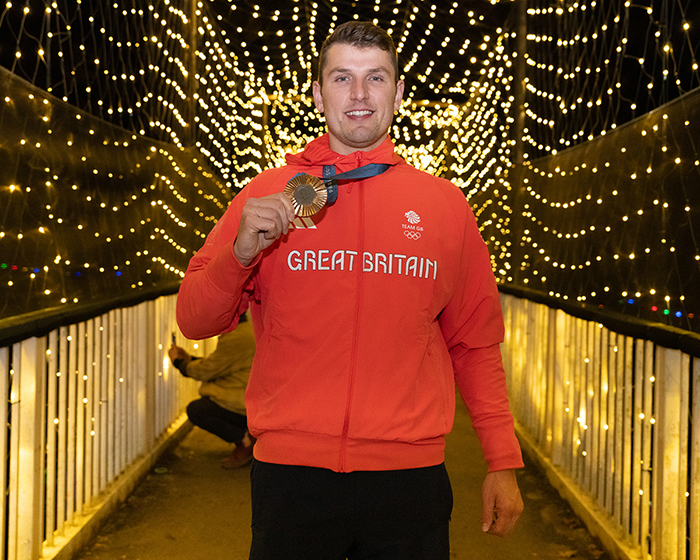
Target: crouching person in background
[(224, 376)]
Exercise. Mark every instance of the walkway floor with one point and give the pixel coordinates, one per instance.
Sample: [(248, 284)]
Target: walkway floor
[(189, 508)]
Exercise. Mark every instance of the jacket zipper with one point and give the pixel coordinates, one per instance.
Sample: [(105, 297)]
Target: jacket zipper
[(356, 326)]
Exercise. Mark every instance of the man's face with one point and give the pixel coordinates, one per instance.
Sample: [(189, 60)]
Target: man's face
[(359, 97)]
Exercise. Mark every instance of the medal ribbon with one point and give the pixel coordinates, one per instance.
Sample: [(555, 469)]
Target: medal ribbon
[(331, 178)]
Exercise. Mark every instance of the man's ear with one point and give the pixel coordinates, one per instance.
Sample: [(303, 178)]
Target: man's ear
[(399, 95), (318, 98)]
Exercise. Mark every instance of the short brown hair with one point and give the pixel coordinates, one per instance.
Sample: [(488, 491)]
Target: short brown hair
[(360, 34)]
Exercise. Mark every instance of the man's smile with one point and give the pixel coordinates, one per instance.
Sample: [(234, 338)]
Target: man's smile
[(359, 113)]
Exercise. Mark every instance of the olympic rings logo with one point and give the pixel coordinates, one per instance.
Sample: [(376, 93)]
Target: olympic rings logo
[(412, 234)]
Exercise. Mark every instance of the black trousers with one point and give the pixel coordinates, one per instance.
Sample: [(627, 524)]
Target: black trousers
[(305, 513), (206, 414)]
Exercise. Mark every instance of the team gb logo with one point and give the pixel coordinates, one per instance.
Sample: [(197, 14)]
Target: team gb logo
[(412, 217)]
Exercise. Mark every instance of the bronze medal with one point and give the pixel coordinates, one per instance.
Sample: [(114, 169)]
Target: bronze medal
[(308, 194)]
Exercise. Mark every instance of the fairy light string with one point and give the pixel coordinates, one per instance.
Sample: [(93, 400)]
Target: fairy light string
[(606, 212)]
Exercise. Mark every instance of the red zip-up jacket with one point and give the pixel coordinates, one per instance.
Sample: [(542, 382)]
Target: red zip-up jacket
[(365, 316)]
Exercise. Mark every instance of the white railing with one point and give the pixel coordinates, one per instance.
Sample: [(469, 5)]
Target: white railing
[(85, 406), (616, 422)]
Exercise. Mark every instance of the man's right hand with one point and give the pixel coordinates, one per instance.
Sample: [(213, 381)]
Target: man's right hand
[(263, 221), (177, 353)]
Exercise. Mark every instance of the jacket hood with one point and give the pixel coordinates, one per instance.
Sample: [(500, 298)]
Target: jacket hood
[(318, 152)]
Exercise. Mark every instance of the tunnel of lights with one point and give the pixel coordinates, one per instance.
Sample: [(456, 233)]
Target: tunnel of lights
[(571, 126)]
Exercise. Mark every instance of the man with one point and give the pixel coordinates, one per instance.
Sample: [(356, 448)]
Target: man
[(224, 376), (366, 314)]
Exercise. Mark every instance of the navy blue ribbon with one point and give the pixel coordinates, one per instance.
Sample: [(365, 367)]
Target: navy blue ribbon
[(331, 178)]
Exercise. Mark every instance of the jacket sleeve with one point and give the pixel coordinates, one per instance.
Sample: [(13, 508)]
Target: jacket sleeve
[(216, 286), (472, 324)]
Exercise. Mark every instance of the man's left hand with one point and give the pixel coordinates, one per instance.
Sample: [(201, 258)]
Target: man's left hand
[(502, 503)]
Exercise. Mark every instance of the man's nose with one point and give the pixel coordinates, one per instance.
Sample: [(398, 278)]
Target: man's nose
[(359, 90)]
